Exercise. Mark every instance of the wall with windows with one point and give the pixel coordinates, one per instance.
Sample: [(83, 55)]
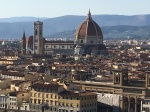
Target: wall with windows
[(145, 105), (77, 103), (40, 97)]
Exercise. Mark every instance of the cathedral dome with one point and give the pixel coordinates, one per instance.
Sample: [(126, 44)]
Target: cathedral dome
[(88, 28)]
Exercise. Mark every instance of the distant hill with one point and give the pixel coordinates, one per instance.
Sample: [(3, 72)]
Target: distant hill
[(20, 19), (108, 23), (65, 34), (121, 31)]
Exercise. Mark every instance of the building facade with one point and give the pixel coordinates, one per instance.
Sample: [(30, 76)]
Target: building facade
[(77, 101), (44, 97)]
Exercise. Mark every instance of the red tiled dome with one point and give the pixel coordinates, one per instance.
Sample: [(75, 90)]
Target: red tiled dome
[(88, 28)]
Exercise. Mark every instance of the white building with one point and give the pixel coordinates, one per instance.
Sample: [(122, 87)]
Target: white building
[(25, 106), (3, 101), (8, 101), (12, 99), (109, 99), (145, 105)]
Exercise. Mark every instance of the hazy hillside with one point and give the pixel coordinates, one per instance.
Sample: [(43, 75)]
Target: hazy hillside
[(121, 31), (67, 23), (20, 19)]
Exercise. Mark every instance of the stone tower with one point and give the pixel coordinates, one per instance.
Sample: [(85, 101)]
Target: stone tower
[(23, 51), (120, 76), (38, 45)]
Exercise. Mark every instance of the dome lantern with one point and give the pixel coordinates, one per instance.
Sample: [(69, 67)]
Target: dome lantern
[(89, 15)]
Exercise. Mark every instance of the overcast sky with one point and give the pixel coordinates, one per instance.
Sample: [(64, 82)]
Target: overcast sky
[(56, 8)]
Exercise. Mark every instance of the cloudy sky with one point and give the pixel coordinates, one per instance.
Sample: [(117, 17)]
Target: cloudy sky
[(56, 8)]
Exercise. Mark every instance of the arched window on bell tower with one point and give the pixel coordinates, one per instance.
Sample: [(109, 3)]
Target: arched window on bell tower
[(36, 31), (40, 33)]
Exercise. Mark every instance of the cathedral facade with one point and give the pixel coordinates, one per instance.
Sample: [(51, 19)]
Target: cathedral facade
[(88, 40)]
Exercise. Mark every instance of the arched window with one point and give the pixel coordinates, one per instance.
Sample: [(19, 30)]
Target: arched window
[(40, 32), (35, 31)]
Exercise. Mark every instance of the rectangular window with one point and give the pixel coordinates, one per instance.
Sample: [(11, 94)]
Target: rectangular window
[(67, 104), (47, 101), (51, 102), (47, 95), (35, 47), (71, 104), (59, 104), (39, 94), (63, 104), (34, 94)]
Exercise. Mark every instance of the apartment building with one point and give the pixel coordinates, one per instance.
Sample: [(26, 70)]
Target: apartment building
[(44, 96), (77, 101)]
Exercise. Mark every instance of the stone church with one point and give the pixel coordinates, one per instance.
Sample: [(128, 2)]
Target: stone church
[(88, 40)]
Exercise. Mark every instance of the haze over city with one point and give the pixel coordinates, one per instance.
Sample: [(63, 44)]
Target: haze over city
[(56, 8)]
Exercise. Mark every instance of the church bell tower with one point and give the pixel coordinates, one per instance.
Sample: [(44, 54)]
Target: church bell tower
[(38, 46), (120, 76)]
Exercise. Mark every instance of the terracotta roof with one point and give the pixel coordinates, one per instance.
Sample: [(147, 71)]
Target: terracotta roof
[(45, 86), (13, 94), (59, 41), (9, 52), (77, 93), (69, 65), (29, 40), (13, 73)]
